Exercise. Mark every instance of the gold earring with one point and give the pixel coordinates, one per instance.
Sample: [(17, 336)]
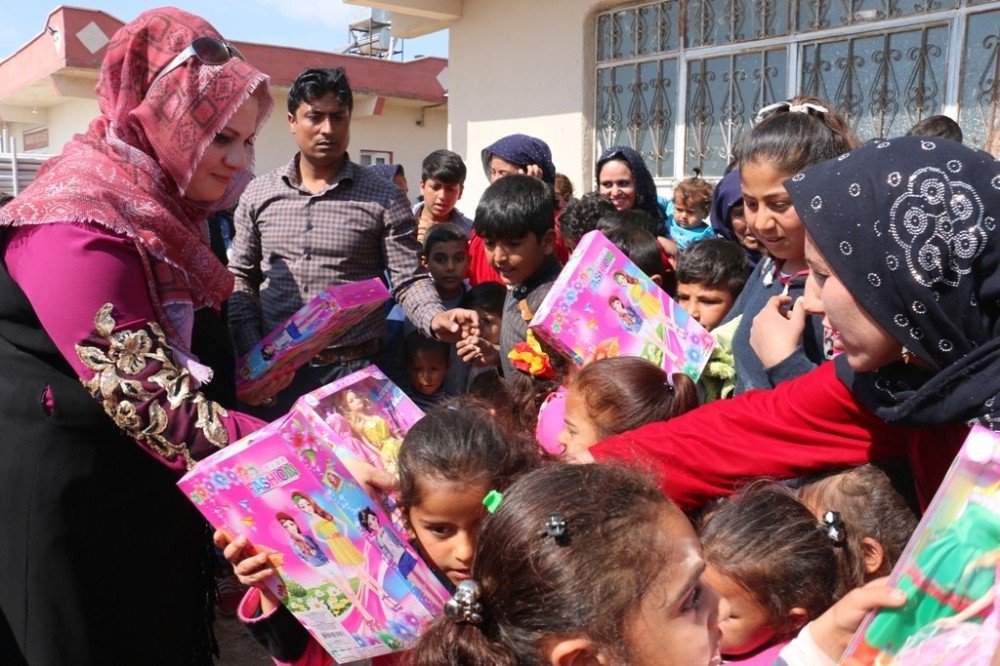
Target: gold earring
[(907, 356)]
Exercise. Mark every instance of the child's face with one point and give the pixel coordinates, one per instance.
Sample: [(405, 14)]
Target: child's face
[(447, 262), (677, 621), (489, 325), (440, 198), (688, 214), (579, 433), (426, 370), (706, 305), (616, 183), (445, 524), (516, 260), (771, 217), (743, 621)]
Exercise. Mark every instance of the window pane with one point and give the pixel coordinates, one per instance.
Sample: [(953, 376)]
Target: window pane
[(724, 94), (883, 83), (980, 95), (636, 108), (725, 21), (819, 14), (603, 38)]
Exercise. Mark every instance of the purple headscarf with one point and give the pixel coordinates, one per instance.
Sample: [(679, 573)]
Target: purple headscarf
[(727, 194), (522, 150)]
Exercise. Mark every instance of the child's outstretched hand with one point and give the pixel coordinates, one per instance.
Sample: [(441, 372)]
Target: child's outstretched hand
[(252, 568), (478, 352)]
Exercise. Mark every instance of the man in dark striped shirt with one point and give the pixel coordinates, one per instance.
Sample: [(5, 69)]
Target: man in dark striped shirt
[(323, 220)]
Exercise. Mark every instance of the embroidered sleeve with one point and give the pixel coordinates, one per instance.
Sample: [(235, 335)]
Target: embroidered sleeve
[(147, 394)]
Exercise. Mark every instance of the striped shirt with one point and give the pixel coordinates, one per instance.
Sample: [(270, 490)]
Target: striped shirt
[(291, 244)]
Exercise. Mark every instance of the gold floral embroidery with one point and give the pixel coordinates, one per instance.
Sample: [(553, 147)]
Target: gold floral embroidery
[(114, 384)]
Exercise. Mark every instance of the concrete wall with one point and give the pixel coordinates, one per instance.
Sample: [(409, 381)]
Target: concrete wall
[(524, 66)]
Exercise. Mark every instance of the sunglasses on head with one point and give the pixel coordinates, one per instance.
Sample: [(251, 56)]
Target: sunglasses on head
[(209, 50), (788, 107)]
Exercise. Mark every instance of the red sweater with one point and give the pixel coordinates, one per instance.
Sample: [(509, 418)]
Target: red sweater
[(802, 426)]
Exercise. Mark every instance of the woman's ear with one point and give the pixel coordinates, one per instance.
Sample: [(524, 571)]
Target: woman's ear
[(874, 555), (576, 652)]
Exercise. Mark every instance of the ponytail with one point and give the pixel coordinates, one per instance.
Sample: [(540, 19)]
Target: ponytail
[(448, 642), (625, 392), (797, 134)]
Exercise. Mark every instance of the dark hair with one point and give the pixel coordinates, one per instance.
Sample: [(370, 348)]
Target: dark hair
[(534, 587), (462, 444), (5, 199), (695, 192), (418, 342), (563, 186), (363, 517), (625, 392), (488, 296), (617, 219), (640, 247), (580, 216), (791, 141), (526, 393), (316, 82), (715, 263), (773, 547), (444, 166), (443, 232), (513, 207), (869, 506), (940, 126)]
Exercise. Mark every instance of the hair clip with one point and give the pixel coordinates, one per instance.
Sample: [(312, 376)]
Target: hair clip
[(555, 527), (493, 500), (464, 605), (530, 358), (833, 525), (806, 107)]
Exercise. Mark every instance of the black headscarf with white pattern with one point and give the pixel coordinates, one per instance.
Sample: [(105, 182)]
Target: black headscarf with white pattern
[(909, 226)]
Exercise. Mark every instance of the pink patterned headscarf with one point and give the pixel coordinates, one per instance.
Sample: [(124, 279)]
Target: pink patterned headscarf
[(129, 172)]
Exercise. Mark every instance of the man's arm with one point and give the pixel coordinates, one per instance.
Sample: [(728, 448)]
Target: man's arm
[(411, 284), (245, 316)]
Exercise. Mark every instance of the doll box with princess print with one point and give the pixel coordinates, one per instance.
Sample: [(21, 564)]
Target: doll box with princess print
[(602, 305), (344, 569), (363, 414), (948, 571), (314, 327)]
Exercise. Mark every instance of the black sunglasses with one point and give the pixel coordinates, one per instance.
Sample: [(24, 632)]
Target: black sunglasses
[(209, 50)]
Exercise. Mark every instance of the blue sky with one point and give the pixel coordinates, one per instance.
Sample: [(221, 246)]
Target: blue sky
[(310, 24)]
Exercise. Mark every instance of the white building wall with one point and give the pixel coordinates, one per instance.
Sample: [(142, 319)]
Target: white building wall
[(530, 64)]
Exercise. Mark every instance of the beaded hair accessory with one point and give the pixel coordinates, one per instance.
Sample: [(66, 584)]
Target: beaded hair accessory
[(833, 527), (555, 527), (464, 605), (807, 107)]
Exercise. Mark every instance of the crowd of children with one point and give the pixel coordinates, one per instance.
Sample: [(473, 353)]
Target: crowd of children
[(590, 563)]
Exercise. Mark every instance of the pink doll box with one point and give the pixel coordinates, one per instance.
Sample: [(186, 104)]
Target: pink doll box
[(344, 570), (364, 414), (949, 565), (314, 327), (602, 305)]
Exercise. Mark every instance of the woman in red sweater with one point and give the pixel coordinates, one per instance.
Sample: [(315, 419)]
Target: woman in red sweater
[(904, 255)]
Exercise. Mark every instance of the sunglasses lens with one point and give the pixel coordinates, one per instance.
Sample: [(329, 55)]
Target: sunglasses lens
[(210, 50)]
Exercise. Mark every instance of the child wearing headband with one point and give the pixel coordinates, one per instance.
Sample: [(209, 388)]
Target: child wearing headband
[(449, 462), (773, 565), (612, 395)]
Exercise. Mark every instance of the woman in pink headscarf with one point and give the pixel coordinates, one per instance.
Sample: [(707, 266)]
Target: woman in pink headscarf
[(115, 370)]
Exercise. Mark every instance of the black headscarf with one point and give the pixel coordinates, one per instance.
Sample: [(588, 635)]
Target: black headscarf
[(645, 188), (386, 171), (522, 150), (910, 227)]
